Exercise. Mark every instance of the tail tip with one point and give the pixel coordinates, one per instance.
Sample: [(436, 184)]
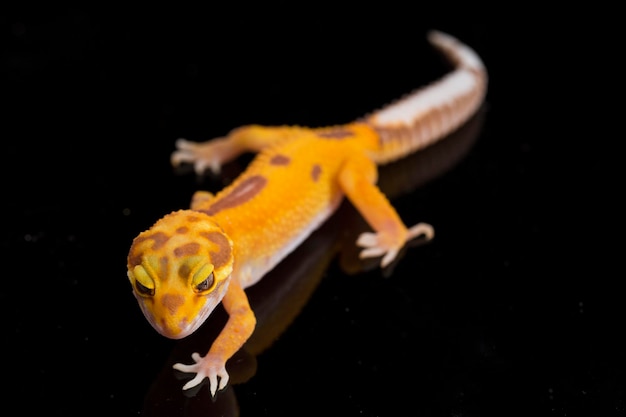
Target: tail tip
[(439, 38), (463, 55)]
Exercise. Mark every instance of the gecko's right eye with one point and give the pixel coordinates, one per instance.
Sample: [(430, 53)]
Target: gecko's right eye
[(142, 289)]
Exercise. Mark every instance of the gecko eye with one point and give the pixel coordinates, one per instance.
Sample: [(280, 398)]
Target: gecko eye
[(203, 280), (144, 285), (206, 284), (142, 289)]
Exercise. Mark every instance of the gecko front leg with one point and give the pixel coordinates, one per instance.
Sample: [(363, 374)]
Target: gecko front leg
[(240, 325), (213, 154)]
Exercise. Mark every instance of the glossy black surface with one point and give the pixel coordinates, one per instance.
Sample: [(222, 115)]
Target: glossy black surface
[(511, 310)]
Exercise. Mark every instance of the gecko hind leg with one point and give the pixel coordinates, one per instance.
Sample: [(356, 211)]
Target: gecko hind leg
[(357, 180)]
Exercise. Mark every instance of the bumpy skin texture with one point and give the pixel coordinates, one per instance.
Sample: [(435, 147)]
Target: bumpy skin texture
[(191, 260)]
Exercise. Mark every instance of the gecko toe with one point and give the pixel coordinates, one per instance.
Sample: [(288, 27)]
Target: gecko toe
[(184, 144), (420, 229), (195, 381), (367, 239), (371, 252), (389, 258), (200, 166)]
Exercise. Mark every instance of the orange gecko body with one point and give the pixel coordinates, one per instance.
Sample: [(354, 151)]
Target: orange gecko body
[(191, 260)]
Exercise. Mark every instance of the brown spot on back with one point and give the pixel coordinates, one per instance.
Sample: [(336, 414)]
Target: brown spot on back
[(280, 160), (335, 134), (222, 256), (188, 249), (182, 230), (242, 193), (193, 219), (172, 302), (316, 172)]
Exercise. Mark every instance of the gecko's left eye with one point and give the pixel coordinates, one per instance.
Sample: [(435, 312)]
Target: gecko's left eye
[(205, 284)]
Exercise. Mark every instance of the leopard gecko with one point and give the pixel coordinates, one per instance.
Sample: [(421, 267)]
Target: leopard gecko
[(190, 260)]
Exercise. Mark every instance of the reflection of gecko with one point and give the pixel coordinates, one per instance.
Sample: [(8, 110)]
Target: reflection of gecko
[(190, 260)]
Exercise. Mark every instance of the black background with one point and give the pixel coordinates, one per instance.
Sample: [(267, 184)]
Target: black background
[(511, 310)]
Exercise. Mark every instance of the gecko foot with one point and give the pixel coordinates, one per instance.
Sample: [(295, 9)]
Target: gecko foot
[(207, 155), (209, 366), (377, 244)]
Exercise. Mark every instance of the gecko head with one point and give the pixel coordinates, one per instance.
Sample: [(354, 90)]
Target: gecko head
[(179, 270)]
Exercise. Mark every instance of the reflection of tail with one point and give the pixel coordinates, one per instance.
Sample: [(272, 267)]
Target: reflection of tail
[(430, 113)]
